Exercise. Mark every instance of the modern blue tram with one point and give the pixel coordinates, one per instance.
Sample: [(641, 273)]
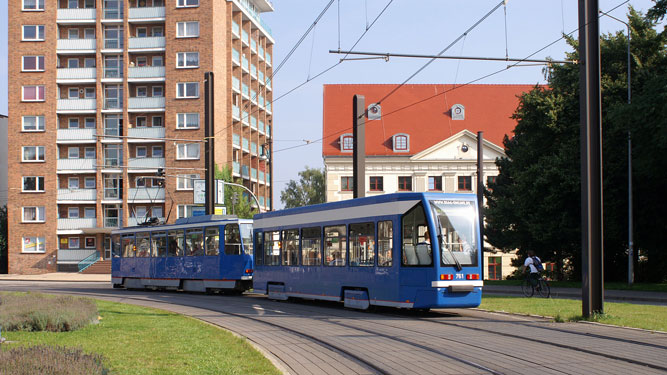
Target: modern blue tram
[(407, 250), (200, 254)]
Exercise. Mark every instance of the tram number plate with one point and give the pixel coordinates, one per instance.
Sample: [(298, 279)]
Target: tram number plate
[(461, 288)]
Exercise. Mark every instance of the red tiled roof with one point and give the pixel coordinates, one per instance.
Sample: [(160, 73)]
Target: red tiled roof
[(488, 108)]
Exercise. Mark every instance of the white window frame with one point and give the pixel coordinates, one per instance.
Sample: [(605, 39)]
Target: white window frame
[(157, 58), (37, 4), (37, 87), (85, 242), (136, 32), (38, 210), (89, 93), (39, 124), (37, 242), (37, 184), (37, 148), (157, 28), (88, 209), (73, 186), (153, 208), (75, 90), (73, 213), (145, 92), (37, 59), (86, 61), (85, 182), (158, 95), (184, 117), (184, 56), (70, 150), (72, 120), (71, 32), (184, 4), (86, 121), (153, 148), (136, 211), (145, 121), (183, 147), (73, 60), (37, 39), (161, 125), (88, 149), (186, 181), (140, 182), (185, 208), (184, 85), (71, 240), (407, 142), (86, 31), (144, 148), (184, 24), (342, 142)]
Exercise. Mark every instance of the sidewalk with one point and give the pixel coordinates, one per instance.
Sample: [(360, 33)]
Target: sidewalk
[(58, 277), (629, 296)]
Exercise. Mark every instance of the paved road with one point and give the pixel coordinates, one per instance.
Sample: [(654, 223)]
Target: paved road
[(323, 338)]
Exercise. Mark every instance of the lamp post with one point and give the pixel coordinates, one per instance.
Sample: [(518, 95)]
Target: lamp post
[(630, 224)]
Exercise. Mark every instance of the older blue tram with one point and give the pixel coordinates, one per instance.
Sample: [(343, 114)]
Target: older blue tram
[(408, 250), (202, 254)]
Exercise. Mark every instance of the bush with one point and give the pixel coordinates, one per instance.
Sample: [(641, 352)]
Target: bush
[(41, 312), (43, 359)]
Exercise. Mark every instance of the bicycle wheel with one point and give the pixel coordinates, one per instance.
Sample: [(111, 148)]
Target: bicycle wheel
[(544, 289), (527, 288)]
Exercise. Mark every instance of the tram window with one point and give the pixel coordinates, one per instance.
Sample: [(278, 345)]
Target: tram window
[(246, 236), (232, 239), (212, 241), (143, 245), (311, 246), (115, 246), (416, 239), (259, 247), (290, 247), (175, 243), (194, 242), (335, 245), (128, 246), (159, 244), (272, 248), (385, 241), (362, 244)]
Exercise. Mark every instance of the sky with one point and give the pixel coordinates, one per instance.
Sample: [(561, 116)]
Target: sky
[(406, 26)]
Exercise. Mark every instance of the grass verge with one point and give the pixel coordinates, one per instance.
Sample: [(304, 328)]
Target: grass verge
[(659, 287), (43, 312), (139, 340), (650, 317)]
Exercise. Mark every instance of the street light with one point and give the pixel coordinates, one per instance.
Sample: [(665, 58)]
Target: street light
[(630, 234)]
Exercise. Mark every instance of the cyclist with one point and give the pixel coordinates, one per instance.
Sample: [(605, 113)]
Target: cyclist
[(531, 265)]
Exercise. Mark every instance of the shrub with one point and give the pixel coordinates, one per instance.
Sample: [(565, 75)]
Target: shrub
[(41, 312), (44, 359)]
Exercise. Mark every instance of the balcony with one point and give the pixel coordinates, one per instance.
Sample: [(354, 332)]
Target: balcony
[(76, 165), (77, 195), (76, 136), (145, 195), (251, 10), (76, 16), (112, 222), (147, 44), (244, 118), (236, 168), (236, 140), (236, 113), (76, 75), (244, 37), (73, 256), (76, 46), (76, 106), (133, 221), (235, 30), (236, 57), (112, 14), (147, 14), (236, 84), (77, 224), (245, 145), (261, 178), (145, 164), (113, 104), (245, 172), (154, 134), (146, 74), (245, 64), (146, 104)]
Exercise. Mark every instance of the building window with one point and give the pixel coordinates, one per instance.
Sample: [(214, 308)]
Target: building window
[(89, 93), (89, 123), (73, 93), (142, 61), (89, 152), (435, 183), (73, 123), (73, 243), (375, 183), (33, 123), (89, 183), (187, 3), (495, 268), (187, 121), (405, 183), (33, 245), (465, 183), (141, 121), (156, 211), (33, 5), (401, 143), (90, 242), (32, 93), (140, 182), (89, 33), (187, 29), (347, 142), (346, 183), (89, 212), (73, 34), (142, 92), (33, 154), (157, 61), (157, 121), (187, 60), (490, 180), (33, 214), (157, 30), (186, 181), (158, 91), (73, 212), (89, 62), (33, 184), (142, 152), (185, 90), (33, 64), (72, 152), (157, 152), (73, 183), (142, 32), (187, 151), (185, 210), (33, 33), (72, 63)]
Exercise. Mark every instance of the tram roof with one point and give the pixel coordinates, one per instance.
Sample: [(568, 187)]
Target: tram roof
[(185, 222)]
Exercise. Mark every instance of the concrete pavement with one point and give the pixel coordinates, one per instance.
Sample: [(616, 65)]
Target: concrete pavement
[(628, 296), (58, 277)]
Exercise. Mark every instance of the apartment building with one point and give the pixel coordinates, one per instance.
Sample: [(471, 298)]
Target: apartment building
[(103, 94)]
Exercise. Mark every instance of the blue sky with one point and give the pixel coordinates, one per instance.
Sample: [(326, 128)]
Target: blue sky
[(417, 26)]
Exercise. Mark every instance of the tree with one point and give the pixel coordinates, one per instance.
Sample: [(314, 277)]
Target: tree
[(308, 190), (535, 202), (3, 239), (244, 207)]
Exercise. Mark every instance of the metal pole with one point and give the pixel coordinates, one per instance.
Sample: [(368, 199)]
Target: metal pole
[(359, 145), (591, 160), (209, 152), (480, 194), (631, 245), (234, 201)]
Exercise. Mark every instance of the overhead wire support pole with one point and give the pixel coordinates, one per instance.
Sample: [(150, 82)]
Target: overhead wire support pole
[(209, 151), (387, 55)]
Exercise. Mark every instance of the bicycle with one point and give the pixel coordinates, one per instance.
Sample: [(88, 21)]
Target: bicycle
[(542, 287)]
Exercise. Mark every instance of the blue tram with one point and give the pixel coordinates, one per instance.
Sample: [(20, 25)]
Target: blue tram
[(407, 250), (201, 254)]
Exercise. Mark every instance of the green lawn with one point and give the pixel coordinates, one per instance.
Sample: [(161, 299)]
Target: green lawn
[(660, 287), (139, 340), (621, 314)]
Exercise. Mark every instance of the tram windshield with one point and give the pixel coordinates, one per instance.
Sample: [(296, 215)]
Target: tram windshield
[(458, 220), (246, 236)]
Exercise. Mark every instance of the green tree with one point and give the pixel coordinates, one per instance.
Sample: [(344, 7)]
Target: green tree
[(3, 239), (535, 202), (244, 207), (308, 190)]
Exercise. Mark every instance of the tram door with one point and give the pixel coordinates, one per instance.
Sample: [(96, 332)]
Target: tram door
[(233, 258)]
